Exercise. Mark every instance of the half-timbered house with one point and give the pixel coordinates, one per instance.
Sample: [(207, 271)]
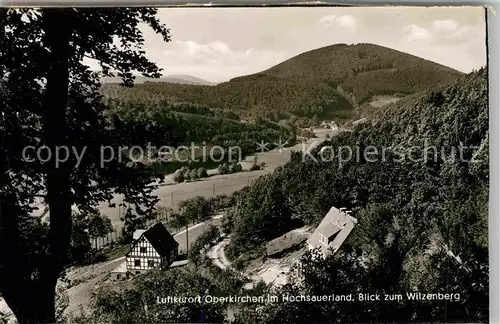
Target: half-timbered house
[(152, 248)]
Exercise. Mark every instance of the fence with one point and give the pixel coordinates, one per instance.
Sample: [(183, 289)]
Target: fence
[(170, 196)]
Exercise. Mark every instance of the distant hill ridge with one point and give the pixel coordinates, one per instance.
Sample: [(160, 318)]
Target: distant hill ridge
[(326, 83), (361, 69)]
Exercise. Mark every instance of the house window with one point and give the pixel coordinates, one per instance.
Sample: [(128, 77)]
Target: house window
[(137, 262), (151, 263), (144, 250)]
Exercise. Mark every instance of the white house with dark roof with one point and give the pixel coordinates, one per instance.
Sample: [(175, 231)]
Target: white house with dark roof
[(332, 231)]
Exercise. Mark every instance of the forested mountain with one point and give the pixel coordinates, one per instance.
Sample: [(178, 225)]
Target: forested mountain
[(421, 201), (326, 83), (272, 99), (361, 70)]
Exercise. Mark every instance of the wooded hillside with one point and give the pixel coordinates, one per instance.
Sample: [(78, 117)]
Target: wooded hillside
[(422, 211)]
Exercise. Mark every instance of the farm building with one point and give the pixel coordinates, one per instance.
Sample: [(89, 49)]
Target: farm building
[(332, 231)]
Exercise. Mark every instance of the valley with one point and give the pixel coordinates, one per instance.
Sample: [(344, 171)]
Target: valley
[(171, 193), (324, 166)]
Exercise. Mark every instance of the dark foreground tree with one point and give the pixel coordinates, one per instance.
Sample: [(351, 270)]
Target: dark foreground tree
[(51, 104), (147, 301)]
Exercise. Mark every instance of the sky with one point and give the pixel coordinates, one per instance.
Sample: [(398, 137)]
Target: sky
[(217, 44)]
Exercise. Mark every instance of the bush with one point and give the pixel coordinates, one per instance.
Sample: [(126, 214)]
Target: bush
[(179, 176), (196, 209), (221, 201), (202, 173), (255, 167), (308, 133), (239, 264), (227, 222), (205, 240), (237, 168), (223, 168), (193, 174)]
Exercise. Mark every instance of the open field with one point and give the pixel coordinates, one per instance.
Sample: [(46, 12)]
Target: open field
[(381, 101), (172, 193)]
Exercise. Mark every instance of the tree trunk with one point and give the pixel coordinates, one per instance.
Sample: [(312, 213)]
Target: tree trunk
[(31, 296), (55, 129), (34, 305)]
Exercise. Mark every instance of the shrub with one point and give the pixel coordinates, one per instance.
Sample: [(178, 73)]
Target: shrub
[(221, 202), (223, 168), (307, 133), (193, 174), (205, 240), (237, 167), (227, 222), (178, 176), (255, 167), (239, 264), (202, 173)]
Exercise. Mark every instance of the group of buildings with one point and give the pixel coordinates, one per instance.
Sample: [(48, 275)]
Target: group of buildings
[(157, 248)]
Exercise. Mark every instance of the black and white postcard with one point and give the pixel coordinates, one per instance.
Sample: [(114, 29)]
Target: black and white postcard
[(244, 165)]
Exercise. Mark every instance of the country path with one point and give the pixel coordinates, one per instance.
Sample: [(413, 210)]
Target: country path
[(218, 256)]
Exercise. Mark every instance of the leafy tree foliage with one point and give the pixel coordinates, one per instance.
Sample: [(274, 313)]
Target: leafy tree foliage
[(222, 201), (422, 213), (51, 99), (209, 237), (238, 96), (160, 122), (263, 215), (86, 228), (201, 173), (196, 209), (178, 176), (228, 168), (140, 303)]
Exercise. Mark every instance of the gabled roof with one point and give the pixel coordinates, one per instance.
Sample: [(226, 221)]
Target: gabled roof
[(138, 233), (327, 228), (161, 240), (336, 226)]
